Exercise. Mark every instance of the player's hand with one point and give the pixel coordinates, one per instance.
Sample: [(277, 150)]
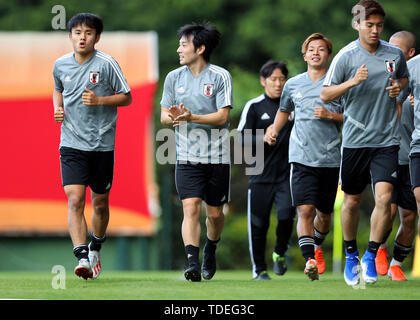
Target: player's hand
[(59, 114), (322, 113), (270, 137), (394, 89), (411, 98), (89, 98), (185, 115), (361, 75)]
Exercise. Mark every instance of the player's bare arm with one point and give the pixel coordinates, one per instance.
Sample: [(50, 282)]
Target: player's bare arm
[(322, 113), (273, 130), (330, 93), (89, 98), (58, 106), (218, 118)]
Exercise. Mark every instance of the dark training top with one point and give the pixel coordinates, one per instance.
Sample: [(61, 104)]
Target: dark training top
[(259, 113)]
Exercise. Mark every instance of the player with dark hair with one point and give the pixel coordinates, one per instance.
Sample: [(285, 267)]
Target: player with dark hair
[(89, 85), (369, 74), (314, 150), (196, 100), (272, 184)]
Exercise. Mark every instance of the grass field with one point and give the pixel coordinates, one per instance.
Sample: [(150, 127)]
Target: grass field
[(227, 285)]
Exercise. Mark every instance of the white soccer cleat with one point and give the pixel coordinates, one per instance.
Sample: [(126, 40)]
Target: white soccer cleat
[(83, 269), (95, 263)]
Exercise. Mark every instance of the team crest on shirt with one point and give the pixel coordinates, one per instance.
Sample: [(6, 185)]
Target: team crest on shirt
[(390, 66), (208, 89), (94, 77)]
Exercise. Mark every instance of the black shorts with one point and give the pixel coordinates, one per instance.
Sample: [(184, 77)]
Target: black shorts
[(90, 168), (362, 166), (403, 195), (312, 185), (415, 170), (261, 197), (210, 182)]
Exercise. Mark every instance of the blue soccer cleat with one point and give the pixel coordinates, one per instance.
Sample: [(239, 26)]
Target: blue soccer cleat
[(351, 269), (369, 267)]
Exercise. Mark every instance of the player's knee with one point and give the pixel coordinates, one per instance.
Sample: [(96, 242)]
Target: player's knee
[(383, 199), (306, 212), (76, 203), (100, 207), (409, 220)]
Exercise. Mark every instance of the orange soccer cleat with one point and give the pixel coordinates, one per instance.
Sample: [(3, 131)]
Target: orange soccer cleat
[(319, 257), (396, 274), (381, 261)]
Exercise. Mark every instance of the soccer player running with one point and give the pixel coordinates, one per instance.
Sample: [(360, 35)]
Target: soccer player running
[(196, 100), (314, 150), (272, 184), (403, 198), (89, 85), (369, 74)]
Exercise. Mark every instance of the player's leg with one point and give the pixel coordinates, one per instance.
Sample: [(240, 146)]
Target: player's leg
[(101, 172), (190, 231), (100, 219), (285, 219), (322, 225), (402, 245), (303, 186), (354, 176), (190, 180), (216, 194), (401, 195), (260, 202), (74, 174), (327, 190), (384, 167)]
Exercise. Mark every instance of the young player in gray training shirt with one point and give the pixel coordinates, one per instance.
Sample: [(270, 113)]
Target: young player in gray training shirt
[(369, 74), (314, 150), (197, 99), (89, 85)]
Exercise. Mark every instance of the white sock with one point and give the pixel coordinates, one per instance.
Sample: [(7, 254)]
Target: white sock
[(395, 263)]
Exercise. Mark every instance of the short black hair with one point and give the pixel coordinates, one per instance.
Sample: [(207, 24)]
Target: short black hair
[(203, 34), (371, 7), (89, 19), (268, 68)]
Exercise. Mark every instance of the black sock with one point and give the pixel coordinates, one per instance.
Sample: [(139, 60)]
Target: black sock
[(351, 246), (385, 238), (373, 247), (319, 236), (307, 247), (401, 252), (192, 254), (210, 244), (96, 243), (81, 252)]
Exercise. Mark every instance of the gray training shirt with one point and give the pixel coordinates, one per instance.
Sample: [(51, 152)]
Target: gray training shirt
[(414, 87), (88, 128), (209, 91), (370, 115), (314, 142), (406, 122)]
